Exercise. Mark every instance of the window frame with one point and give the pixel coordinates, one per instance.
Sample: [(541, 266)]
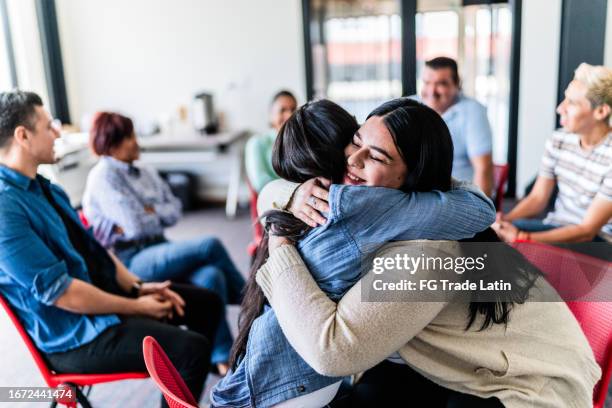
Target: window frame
[(8, 43), (52, 59)]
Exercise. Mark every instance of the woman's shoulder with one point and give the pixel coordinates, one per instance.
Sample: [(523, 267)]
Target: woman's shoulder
[(103, 174), (261, 139), (99, 172)]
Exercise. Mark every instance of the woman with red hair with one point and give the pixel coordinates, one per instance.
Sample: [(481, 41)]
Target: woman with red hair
[(129, 206)]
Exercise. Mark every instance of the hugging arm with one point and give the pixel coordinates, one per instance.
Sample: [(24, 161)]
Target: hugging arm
[(377, 215), (394, 215), (341, 338)]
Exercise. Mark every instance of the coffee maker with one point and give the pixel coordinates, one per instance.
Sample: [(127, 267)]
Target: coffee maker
[(204, 118)]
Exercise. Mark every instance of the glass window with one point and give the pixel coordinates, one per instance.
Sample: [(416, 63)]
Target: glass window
[(356, 50), (479, 37), (6, 81)]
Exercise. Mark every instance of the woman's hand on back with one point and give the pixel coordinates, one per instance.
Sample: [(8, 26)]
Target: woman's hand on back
[(309, 200)]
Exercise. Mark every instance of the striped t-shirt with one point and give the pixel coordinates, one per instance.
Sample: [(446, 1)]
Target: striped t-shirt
[(581, 175)]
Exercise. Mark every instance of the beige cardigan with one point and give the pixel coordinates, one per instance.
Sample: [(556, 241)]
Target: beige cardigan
[(540, 359)]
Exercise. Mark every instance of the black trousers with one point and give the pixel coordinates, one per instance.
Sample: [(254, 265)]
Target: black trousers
[(397, 385), (119, 348)]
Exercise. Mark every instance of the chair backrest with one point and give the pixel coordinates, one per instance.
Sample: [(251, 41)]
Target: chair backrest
[(83, 219), (257, 227), (594, 318), (500, 177), (27, 340), (163, 372), (576, 276)]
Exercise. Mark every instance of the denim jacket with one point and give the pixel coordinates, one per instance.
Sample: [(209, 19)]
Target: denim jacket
[(361, 220)]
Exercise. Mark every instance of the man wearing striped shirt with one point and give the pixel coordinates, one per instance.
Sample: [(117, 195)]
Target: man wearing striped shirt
[(579, 160)]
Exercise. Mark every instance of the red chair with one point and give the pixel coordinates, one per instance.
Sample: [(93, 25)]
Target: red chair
[(500, 177), (575, 276), (257, 227), (53, 380), (163, 372), (594, 318), (83, 218)]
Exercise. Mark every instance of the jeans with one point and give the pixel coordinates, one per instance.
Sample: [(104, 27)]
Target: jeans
[(598, 248), (119, 348), (203, 262), (533, 225), (397, 385)]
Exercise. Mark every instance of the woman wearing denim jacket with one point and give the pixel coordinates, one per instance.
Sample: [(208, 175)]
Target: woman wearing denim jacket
[(421, 203)]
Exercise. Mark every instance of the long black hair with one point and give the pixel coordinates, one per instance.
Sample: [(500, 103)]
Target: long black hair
[(310, 144)]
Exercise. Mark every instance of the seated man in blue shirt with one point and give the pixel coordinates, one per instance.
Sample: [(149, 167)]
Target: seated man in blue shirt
[(466, 119), (81, 306)]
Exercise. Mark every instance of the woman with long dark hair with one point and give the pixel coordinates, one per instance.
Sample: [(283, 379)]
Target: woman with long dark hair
[(514, 351), (392, 203)]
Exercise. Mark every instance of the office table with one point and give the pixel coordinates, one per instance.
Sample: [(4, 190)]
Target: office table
[(193, 148)]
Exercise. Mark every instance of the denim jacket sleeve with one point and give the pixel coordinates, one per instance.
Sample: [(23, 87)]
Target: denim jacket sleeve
[(375, 215), (45, 275)]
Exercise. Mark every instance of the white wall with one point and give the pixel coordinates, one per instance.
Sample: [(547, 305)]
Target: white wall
[(540, 40), (147, 57)]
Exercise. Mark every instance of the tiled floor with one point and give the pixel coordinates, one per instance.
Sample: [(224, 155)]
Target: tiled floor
[(18, 369)]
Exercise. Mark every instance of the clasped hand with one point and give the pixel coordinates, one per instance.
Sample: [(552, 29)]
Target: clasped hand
[(160, 301)]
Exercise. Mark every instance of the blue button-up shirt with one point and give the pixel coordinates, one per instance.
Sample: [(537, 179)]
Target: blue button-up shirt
[(470, 130), (38, 263), (362, 220), (116, 195)]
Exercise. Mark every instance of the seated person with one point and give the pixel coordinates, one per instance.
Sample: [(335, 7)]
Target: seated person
[(258, 150), (466, 119), (129, 207), (579, 160), (80, 305)]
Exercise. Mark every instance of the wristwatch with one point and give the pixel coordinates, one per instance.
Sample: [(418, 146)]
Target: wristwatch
[(135, 290)]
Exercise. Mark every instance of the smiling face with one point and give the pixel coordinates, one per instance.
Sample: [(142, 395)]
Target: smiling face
[(439, 90), (372, 157)]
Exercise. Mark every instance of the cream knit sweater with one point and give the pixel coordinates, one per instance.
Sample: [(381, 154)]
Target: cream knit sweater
[(539, 359)]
